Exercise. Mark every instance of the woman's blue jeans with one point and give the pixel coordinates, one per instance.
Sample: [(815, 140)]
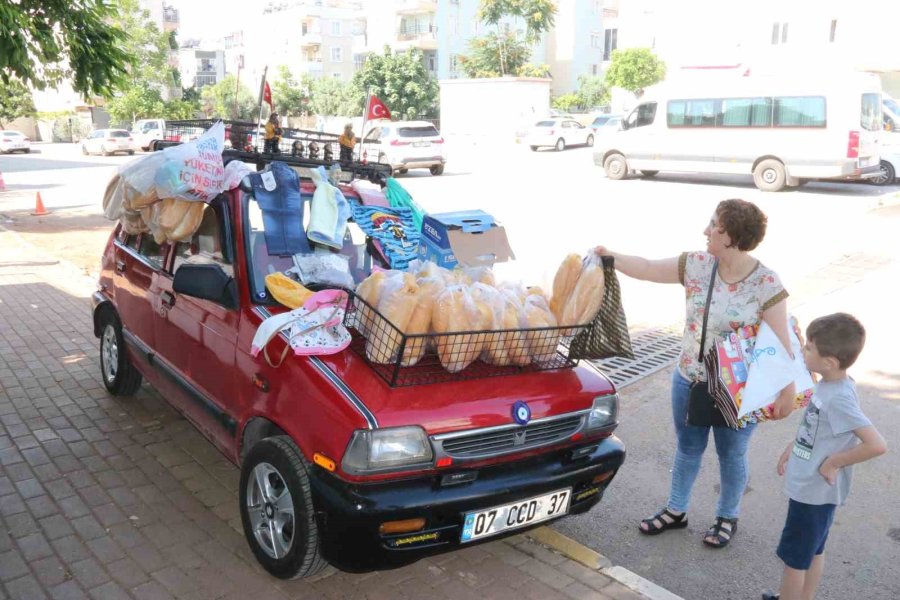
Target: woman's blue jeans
[(731, 446)]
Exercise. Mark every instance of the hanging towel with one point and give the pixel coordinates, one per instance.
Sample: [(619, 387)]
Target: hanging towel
[(328, 213), (393, 229), (400, 198), (277, 191)]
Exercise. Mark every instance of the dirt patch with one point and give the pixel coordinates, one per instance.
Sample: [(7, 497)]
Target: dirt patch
[(73, 236)]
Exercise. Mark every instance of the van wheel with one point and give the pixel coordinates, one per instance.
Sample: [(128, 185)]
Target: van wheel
[(437, 169), (646, 173), (590, 141), (769, 175), (560, 145), (120, 377), (616, 167), (277, 510), (886, 176)]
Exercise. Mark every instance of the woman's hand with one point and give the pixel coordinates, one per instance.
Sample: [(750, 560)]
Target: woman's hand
[(784, 404), (602, 251)]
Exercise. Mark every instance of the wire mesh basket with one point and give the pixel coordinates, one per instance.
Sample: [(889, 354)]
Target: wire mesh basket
[(402, 359)]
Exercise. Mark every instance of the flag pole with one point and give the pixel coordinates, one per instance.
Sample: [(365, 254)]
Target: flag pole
[(262, 88), (362, 133)]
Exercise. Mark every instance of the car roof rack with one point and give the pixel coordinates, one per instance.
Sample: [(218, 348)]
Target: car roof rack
[(298, 147)]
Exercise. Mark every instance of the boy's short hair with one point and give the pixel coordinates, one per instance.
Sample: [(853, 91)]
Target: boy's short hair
[(743, 221), (839, 336)]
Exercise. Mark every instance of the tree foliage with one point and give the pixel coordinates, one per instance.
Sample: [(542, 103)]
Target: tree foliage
[(291, 97), (531, 70), (146, 43), (400, 81), (592, 91), (43, 42), (332, 97), (494, 55), (567, 102), (15, 102), (538, 15), (136, 103), (635, 69), (219, 100)]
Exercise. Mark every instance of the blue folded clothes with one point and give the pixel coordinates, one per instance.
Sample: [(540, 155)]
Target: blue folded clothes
[(277, 191), (394, 228)]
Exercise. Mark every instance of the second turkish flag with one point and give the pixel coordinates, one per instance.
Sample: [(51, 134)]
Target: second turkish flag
[(377, 109)]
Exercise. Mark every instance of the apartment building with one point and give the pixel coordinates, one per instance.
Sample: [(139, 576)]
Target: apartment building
[(200, 67), (401, 24)]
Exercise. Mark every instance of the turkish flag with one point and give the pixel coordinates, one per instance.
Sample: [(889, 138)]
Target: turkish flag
[(267, 96), (377, 109)]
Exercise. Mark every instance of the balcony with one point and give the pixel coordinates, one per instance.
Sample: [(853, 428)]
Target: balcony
[(310, 38), (312, 65), (202, 79), (415, 7), (423, 37)]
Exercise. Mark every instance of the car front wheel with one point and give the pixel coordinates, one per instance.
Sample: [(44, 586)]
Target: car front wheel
[(590, 140), (616, 167), (84, 150), (277, 510), (560, 145), (886, 175), (120, 377)]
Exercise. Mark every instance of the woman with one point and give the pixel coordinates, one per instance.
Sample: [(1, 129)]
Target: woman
[(745, 292)]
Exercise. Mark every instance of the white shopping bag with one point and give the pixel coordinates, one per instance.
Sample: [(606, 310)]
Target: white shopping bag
[(771, 368), (194, 170)]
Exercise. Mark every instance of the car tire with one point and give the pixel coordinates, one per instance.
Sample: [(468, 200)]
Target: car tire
[(131, 153), (590, 141), (645, 173), (560, 145), (615, 167), (402, 171), (27, 151), (533, 148), (437, 170), (769, 175), (84, 150), (887, 175), (120, 376), (273, 478), (105, 151)]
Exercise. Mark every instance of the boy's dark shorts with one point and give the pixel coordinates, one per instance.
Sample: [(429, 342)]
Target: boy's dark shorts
[(805, 531)]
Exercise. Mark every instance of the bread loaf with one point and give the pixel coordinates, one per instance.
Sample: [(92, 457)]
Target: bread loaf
[(396, 305), (455, 310), (541, 344), (420, 321), (584, 301), (564, 282), (190, 222)]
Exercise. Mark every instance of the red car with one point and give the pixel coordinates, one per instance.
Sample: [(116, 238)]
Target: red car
[(337, 466)]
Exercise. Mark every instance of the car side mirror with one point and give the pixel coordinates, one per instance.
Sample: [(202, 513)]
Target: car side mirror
[(208, 282)]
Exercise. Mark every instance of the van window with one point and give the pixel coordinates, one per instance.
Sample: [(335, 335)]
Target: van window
[(800, 111), (870, 112), (691, 113), (746, 112), (640, 116)]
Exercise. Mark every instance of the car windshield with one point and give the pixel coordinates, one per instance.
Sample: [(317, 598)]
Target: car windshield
[(545, 124), (418, 131), (119, 133)]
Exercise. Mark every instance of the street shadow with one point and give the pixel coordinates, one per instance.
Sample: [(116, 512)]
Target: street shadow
[(59, 221), (12, 164), (19, 187), (836, 188)]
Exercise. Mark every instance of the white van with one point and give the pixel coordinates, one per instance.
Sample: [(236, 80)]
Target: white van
[(147, 130), (783, 131)]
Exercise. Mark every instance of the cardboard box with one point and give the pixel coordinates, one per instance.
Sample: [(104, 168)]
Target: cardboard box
[(470, 238)]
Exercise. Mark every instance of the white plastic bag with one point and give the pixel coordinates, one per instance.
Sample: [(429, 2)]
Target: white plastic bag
[(194, 170)]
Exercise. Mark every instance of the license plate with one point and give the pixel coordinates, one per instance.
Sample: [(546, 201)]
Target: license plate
[(512, 516), (421, 144)]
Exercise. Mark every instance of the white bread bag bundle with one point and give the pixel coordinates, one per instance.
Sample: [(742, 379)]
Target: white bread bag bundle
[(583, 303), (399, 296), (420, 321), (455, 310), (541, 344)]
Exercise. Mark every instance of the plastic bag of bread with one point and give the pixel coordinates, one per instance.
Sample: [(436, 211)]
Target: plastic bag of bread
[(509, 345), (481, 275), (113, 198), (455, 311), (420, 321), (564, 283), (541, 344), (399, 295), (583, 303), (369, 290), (133, 222)]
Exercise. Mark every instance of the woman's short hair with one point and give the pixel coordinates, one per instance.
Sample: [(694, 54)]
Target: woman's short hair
[(743, 221)]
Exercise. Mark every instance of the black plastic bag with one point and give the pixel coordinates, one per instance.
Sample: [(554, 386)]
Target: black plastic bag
[(608, 334)]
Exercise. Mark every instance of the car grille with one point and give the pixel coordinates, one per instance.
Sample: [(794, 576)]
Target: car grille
[(514, 438)]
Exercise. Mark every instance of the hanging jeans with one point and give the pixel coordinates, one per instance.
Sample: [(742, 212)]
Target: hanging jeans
[(731, 447), (282, 210)]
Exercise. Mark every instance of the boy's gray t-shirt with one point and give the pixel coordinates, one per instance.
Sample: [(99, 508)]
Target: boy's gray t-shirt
[(827, 428)]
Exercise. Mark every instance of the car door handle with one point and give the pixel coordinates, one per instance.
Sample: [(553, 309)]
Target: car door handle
[(167, 299), (120, 266)]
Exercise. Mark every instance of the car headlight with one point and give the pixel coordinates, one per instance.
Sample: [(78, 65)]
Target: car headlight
[(604, 412), (390, 449)]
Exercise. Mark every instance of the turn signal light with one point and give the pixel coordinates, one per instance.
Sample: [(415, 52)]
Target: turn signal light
[(405, 526), (323, 461), (444, 462), (602, 477)]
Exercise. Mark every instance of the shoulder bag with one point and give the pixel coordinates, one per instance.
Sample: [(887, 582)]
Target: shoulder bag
[(702, 409)]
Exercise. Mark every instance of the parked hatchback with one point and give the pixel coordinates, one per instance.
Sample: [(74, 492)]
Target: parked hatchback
[(605, 123), (13, 141), (108, 142), (405, 145), (558, 134)]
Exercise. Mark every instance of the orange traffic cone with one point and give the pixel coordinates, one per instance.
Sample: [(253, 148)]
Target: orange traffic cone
[(39, 210)]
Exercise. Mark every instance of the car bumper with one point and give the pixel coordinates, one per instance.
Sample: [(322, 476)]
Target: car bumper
[(349, 515), (418, 162)]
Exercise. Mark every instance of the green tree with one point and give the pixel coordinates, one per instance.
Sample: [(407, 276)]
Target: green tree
[(136, 103), (219, 101), (43, 42), (592, 91), (400, 81), (15, 102), (330, 96), (530, 70), (181, 109), (635, 69), (146, 43), (538, 15), (502, 52), (290, 96), (566, 102)]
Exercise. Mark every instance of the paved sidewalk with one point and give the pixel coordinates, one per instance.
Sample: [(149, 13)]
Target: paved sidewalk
[(107, 498)]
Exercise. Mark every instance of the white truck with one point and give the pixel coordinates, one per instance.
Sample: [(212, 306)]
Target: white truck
[(147, 130)]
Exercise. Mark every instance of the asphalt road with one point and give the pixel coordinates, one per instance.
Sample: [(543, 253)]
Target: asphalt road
[(835, 247)]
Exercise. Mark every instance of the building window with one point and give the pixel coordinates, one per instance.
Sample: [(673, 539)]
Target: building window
[(594, 70), (610, 42), (779, 33), (337, 54), (431, 62), (454, 63), (359, 60), (596, 40), (336, 75), (336, 28), (833, 29)]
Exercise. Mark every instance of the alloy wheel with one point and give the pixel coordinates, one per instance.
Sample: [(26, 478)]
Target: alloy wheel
[(271, 510), (110, 353)]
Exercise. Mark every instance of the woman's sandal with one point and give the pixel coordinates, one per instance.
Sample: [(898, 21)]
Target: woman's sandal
[(667, 520), (722, 531)]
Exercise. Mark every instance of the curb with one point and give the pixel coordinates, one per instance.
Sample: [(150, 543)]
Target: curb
[(596, 561)]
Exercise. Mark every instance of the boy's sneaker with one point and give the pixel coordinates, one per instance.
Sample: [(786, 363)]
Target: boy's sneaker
[(768, 596)]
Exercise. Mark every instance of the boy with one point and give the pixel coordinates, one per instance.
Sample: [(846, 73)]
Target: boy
[(833, 436)]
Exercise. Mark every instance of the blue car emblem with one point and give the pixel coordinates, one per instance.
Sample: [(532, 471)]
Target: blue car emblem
[(521, 413)]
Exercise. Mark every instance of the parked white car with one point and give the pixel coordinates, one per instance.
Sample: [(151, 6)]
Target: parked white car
[(107, 142), (13, 141), (559, 133), (405, 145)]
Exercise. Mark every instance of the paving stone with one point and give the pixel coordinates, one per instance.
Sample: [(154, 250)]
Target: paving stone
[(176, 581), (47, 472), (34, 547), (36, 456), (56, 526), (49, 571), (105, 549), (68, 591), (88, 527), (109, 591), (59, 488), (617, 591), (89, 573), (152, 590), (589, 577), (25, 588), (19, 472), (21, 524), (70, 549), (109, 515), (11, 566), (11, 504)]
